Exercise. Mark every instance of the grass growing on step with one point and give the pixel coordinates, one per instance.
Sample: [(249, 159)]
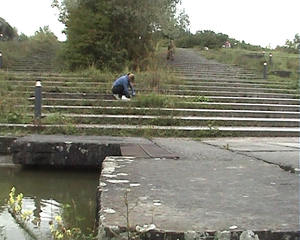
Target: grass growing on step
[(155, 90), (55, 118), (146, 132), (9, 99), (153, 100), (254, 61), (41, 45)]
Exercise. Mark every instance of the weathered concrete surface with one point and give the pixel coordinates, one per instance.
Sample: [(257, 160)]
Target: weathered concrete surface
[(5, 144), (283, 152), (215, 184), (62, 150)]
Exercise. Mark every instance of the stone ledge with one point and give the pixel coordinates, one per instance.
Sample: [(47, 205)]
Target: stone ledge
[(5, 144), (116, 232), (65, 151)]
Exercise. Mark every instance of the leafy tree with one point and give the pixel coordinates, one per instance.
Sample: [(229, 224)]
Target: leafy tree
[(113, 33), (291, 46), (44, 35), (203, 39), (183, 24), (87, 30), (294, 43)]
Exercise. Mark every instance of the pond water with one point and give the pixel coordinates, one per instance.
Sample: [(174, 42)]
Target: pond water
[(47, 192)]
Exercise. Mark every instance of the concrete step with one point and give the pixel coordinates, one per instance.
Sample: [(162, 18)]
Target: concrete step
[(273, 106), (211, 96), (215, 70), (238, 94), (172, 111), (195, 91), (248, 106), (178, 120), (195, 81), (80, 95), (226, 131), (94, 99), (174, 93), (241, 106), (188, 83), (242, 89), (244, 99), (188, 80), (238, 83)]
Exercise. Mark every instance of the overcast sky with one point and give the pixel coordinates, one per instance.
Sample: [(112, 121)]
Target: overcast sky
[(29, 15), (258, 22)]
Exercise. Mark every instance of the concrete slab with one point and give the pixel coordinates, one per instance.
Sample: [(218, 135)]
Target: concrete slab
[(283, 159), (80, 139), (80, 151), (256, 144), (63, 151), (280, 151), (145, 150), (6, 160), (133, 150), (208, 188)]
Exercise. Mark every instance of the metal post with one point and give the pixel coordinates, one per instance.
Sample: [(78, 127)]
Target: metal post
[(270, 58), (299, 67), (1, 39), (265, 70), (263, 53), (38, 99)]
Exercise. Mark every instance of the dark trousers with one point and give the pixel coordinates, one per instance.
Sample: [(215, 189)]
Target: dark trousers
[(118, 90)]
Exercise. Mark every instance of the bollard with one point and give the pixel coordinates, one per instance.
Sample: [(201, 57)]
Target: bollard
[(270, 58), (265, 70), (263, 53), (299, 67), (38, 99), (1, 40)]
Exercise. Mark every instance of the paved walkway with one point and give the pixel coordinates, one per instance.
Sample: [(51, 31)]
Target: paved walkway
[(183, 185), (216, 184)]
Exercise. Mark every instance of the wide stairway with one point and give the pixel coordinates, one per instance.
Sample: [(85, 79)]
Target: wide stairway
[(212, 100)]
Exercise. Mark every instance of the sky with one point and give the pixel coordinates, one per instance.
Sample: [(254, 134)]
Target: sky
[(258, 22), (29, 15)]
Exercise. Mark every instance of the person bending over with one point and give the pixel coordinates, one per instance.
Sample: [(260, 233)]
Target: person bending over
[(122, 84)]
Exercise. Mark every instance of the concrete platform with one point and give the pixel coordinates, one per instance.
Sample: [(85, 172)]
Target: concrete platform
[(80, 151), (172, 188), (216, 185)]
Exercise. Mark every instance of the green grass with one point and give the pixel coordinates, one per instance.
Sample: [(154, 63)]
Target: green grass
[(9, 99), (280, 61), (152, 85), (147, 132)]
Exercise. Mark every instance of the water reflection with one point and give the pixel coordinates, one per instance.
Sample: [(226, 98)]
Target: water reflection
[(46, 191)]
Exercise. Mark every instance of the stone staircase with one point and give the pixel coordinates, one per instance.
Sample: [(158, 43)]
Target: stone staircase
[(213, 99), (39, 61)]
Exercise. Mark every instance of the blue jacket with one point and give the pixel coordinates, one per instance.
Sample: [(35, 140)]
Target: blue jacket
[(124, 81)]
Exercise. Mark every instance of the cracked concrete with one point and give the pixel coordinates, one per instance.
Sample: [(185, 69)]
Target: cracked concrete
[(214, 185), (283, 152)]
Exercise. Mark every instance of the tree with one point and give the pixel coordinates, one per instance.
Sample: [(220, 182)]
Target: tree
[(291, 46), (113, 33)]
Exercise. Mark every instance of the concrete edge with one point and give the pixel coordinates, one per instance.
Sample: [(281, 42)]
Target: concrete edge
[(151, 232), (5, 144), (116, 232)]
